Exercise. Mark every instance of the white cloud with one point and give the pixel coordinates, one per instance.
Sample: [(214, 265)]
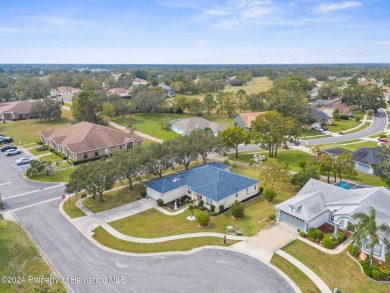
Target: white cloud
[(327, 7)]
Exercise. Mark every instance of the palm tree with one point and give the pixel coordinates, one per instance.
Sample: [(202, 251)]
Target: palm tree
[(367, 227), (190, 209)]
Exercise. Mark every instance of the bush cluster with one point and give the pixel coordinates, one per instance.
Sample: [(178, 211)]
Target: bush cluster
[(237, 210), (143, 193), (221, 208), (344, 117), (42, 148), (382, 135), (353, 250), (327, 242), (314, 234), (302, 234), (269, 195), (341, 237), (212, 208), (203, 219), (160, 202), (272, 216)]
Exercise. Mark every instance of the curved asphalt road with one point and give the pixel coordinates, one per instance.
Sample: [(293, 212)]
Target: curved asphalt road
[(209, 270), (379, 124)]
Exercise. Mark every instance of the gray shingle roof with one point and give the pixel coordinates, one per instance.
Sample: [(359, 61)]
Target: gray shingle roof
[(213, 180), (366, 156), (319, 116)]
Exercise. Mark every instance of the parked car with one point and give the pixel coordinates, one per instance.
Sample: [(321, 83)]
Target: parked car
[(383, 139), (13, 152), (6, 140), (24, 160), (318, 128), (8, 147)]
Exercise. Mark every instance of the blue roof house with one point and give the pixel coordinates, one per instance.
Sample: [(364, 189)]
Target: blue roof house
[(213, 183)]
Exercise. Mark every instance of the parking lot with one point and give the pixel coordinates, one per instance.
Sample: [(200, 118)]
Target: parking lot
[(12, 181)]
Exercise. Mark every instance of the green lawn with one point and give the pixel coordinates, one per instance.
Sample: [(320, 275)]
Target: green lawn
[(113, 199), (26, 131), (71, 209), (367, 179), (105, 238), (342, 125), (53, 158), (337, 271), (296, 275), (16, 246), (36, 153), (63, 165), (152, 124), (255, 86), (364, 126), (354, 146), (291, 157), (222, 119), (60, 176), (310, 132), (379, 134)]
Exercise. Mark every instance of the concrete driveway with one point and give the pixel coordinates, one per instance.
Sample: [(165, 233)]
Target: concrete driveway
[(266, 242), (209, 270)]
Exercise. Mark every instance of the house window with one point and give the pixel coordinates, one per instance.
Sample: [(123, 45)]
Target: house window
[(236, 194), (247, 191), (96, 153), (331, 217), (120, 147), (255, 187), (85, 156), (189, 192), (209, 202)]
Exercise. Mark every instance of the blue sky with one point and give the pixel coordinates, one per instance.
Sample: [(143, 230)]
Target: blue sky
[(194, 32)]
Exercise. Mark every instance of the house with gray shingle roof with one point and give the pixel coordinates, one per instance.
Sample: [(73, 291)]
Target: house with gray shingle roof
[(318, 203), (213, 183), (364, 158), (185, 126)]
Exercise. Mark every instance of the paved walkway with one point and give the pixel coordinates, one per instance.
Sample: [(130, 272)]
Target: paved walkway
[(317, 280)]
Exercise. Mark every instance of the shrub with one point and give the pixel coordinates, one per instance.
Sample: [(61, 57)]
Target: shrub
[(203, 219), (314, 233), (201, 203), (387, 257), (212, 208), (367, 270), (340, 237), (385, 272), (353, 250), (84, 195), (327, 241), (272, 216), (237, 209), (358, 118), (214, 214), (269, 195), (160, 202), (42, 148), (202, 208), (261, 189), (39, 142), (344, 117), (143, 193), (221, 208), (302, 234), (382, 135)]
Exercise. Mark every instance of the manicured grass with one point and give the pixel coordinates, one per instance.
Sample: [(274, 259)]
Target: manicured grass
[(63, 165), (36, 153), (337, 271), (15, 245), (26, 131), (291, 157), (113, 199), (296, 275), (367, 179), (315, 137), (60, 176), (364, 126), (71, 209), (310, 132), (342, 125), (221, 119), (53, 158), (379, 134), (152, 124), (255, 86), (105, 238), (355, 146)]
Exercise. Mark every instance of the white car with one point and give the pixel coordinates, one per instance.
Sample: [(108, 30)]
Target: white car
[(12, 152), (318, 128), (24, 160)]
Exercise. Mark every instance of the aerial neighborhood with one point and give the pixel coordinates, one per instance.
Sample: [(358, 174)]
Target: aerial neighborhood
[(143, 158), (195, 146)]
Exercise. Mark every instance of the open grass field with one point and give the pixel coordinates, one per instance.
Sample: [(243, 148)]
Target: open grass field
[(342, 125), (26, 131), (337, 271), (113, 199), (296, 275), (71, 209), (291, 157), (105, 238), (60, 176), (255, 86), (16, 247), (153, 124)]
